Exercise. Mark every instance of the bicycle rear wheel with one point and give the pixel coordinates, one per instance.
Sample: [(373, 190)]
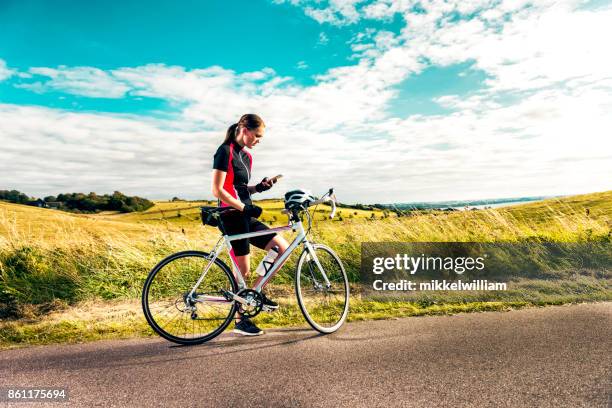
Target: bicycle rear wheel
[(324, 306), (174, 315)]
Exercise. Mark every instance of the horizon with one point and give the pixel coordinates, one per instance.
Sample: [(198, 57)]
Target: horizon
[(387, 101), (446, 201)]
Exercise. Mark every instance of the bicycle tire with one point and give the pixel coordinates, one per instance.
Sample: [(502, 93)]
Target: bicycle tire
[(339, 282), (223, 270)]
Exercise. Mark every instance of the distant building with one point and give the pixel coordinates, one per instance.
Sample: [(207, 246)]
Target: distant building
[(37, 203)]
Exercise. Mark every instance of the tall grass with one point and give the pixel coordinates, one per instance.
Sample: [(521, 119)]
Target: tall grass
[(49, 259)]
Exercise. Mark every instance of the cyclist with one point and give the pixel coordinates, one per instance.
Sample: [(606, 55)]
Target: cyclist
[(230, 185)]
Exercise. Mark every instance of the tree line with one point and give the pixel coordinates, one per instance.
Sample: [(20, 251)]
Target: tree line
[(80, 202)]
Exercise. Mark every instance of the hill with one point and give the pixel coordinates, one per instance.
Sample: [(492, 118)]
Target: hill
[(557, 218), (187, 213), (57, 268)]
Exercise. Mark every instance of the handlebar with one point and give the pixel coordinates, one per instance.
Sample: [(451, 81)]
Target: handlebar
[(329, 197)]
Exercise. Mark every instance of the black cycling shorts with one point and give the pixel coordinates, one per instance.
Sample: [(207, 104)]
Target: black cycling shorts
[(238, 224)]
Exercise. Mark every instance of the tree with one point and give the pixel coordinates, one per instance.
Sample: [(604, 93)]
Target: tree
[(88, 203), (117, 202), (14, 196)]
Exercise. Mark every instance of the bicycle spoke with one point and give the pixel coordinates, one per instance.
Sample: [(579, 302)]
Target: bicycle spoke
[(173, 313), (324, 308)]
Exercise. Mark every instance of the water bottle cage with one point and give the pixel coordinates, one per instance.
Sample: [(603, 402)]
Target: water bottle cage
[(267, 266), (267, 262)]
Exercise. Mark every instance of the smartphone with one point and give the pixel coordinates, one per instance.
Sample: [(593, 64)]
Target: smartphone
[(276, 178)]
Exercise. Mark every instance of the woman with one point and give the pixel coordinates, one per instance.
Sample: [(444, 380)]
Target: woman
[(230, 185)]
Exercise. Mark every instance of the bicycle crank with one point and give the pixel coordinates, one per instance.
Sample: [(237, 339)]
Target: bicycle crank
[(251, 304)]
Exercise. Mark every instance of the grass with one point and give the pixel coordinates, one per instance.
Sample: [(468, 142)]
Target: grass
[(70, 278), (186, 214), (118, 319)]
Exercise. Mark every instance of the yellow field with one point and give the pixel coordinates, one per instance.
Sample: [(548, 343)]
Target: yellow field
[(187, 213), (561, 219), (62, 275)]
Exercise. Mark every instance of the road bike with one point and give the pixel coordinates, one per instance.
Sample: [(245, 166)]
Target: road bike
[(190, 297)]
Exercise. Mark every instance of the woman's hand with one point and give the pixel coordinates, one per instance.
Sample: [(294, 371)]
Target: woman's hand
[(265, 184), (252, 210)]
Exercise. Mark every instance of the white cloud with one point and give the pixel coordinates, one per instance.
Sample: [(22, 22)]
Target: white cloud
[(85, 81), (323, 39), (47, 151), (550, 143), (372, 44), (551, 139), (521, 45), (337, 12), (5, 72)]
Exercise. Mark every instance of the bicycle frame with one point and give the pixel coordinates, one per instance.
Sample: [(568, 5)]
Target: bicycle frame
[(226, 241)]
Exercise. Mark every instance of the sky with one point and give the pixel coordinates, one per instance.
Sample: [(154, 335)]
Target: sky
[(385, 100)]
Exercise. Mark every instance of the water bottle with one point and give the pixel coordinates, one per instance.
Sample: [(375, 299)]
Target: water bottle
[(266, 263)]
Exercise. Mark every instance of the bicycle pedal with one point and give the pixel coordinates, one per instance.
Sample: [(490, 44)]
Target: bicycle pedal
[(268, 309)]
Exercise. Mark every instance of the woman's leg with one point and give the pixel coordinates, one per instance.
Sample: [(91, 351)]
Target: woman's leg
[(243, 262), (282, 245), (244, 265)]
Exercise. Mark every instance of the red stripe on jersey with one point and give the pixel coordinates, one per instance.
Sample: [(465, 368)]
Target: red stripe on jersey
[(228, 185)]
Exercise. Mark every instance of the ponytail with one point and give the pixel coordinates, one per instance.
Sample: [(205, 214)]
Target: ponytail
[(230, 135)]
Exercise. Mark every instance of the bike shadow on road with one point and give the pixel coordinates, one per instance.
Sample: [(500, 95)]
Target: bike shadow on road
[(119, 354), (223, 347)]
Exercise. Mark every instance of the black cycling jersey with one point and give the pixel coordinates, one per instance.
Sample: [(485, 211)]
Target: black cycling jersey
[(237, 162)]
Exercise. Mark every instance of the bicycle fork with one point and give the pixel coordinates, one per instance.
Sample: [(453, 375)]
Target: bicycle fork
[(310, 257)]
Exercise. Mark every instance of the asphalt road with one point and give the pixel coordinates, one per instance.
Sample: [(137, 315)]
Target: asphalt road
[(554, 356)]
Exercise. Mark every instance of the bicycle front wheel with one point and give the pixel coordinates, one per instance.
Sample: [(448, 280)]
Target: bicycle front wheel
[(324, 302), (173, 313)]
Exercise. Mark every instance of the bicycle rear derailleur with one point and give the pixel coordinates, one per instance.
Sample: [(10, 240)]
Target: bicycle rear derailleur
[(186, 304)]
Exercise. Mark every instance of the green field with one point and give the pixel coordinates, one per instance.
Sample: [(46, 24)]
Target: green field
[(69, 278), (186, 214)]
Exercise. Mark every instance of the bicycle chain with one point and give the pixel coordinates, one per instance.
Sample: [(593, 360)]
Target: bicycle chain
[(255, 303)]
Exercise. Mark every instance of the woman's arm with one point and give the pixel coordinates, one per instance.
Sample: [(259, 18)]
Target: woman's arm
[(262, 186), (218, 178)]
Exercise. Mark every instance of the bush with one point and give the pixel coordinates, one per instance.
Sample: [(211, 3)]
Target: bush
[(81, 203), (14, 196)]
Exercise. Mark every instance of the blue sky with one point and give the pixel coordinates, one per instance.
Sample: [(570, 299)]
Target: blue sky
[(386, 100), (197, 34)]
